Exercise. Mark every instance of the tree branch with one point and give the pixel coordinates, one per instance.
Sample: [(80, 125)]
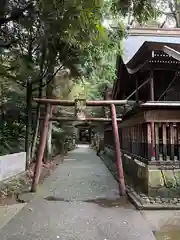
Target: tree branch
[(54, 74), (15, 14), (6, 44)]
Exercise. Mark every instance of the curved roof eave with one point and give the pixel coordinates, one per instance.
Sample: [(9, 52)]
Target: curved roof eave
[(144, 54)]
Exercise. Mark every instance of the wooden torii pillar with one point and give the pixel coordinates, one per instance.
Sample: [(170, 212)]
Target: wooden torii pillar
[(48, 117)]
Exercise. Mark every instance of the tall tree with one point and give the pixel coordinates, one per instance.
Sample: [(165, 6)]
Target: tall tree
[(170, 9)]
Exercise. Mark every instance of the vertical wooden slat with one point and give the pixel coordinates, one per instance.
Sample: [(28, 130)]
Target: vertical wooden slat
[(145, 134), (140, 140), (130, 139), (160, 142), (152, 142), (126, 136), (142, 148), (172, 141), (156, 126), (168, 142), (178, 140), (152, 86), (123, 138), (143, 141), (164, 141), (175, 142), (149, 149), (136, 140)]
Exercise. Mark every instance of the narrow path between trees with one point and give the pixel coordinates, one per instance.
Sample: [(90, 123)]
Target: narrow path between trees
[(78, 201)]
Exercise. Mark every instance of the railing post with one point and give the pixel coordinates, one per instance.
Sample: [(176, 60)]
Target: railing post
[(164, 141), (40, 154), (118, 151), (153, 153), (157, 152)]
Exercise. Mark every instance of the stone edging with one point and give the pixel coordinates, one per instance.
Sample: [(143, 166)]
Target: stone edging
[(140, 203)]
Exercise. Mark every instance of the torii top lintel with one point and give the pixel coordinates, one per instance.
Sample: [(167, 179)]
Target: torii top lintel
[(87, 103)]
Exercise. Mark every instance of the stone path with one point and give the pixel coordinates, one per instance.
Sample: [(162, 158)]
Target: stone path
[(7, 212), (78, 201)]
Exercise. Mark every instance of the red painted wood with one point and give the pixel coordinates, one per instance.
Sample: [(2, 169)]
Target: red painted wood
[(120, 171), (41, 149)]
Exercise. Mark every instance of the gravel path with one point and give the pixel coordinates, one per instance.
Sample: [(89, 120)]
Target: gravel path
[(79, 201)]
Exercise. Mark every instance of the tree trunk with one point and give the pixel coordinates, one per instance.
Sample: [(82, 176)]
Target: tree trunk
[(49, 143), (36, 130), (48, 152), (49, 94), (28, 122), (37, 122)]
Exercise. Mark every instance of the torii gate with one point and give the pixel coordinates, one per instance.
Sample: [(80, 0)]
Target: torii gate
[(80, 106)]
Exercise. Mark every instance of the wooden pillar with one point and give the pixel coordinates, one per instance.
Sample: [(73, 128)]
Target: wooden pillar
[(152, 86), (152, 123), (119, 165), (42, 145)]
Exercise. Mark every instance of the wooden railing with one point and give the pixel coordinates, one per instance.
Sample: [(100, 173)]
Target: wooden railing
[(151, 142)]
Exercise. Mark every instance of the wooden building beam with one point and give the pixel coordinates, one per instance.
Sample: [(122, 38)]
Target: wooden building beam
[(172, 52), (138, 88)]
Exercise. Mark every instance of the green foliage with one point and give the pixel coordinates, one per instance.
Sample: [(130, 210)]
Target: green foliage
[(140, 10), (40, 36), (12, 126)]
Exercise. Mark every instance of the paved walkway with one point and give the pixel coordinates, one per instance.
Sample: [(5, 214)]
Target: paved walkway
[(79, 201)]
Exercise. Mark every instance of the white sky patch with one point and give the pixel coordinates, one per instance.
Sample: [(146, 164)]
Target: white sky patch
[(107, 23)]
